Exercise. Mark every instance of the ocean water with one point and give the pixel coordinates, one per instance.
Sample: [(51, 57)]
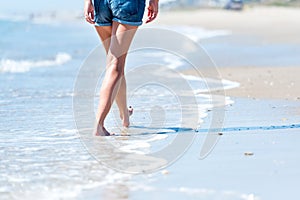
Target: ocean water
[(42, 155)]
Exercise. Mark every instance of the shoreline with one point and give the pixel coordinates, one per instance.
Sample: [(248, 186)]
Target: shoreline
[(268, 96), (281, 83)]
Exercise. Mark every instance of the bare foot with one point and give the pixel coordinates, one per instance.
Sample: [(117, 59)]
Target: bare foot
[(125, 119), (101, 131)]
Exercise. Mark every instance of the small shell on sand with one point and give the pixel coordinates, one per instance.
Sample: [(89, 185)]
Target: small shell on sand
[(164, 172), (248, 153)]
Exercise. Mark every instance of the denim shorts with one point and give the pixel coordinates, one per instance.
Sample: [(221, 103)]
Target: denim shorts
[(128, 12)]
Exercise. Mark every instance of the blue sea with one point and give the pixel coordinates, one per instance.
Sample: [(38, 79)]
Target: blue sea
[(39, 147)]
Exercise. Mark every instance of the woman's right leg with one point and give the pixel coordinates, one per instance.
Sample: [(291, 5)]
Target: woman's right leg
[(104, 33)]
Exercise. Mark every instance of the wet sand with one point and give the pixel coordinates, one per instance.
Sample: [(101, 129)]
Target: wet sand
[(256, 155)]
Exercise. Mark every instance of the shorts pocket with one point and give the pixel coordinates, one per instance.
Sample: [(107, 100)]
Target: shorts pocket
[(124, 8)]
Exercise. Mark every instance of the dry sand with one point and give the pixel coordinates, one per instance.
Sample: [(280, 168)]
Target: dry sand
[(271, 25), (266, 82)]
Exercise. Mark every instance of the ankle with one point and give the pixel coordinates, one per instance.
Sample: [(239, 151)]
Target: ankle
[(100, 125), (123, 114)]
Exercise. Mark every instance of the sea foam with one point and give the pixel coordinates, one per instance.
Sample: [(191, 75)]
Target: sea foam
[(21, 66)]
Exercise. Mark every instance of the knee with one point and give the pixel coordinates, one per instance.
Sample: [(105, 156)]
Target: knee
[(116, 67)]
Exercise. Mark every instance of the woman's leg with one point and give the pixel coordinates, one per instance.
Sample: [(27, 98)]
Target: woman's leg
[(120, 41), (104, 33), (121, 100)]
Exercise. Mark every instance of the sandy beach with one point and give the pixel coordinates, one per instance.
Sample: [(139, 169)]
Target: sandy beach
[(257, 154), (269, 25)]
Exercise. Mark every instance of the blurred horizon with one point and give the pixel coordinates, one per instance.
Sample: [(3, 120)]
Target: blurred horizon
[(30, 6), (71, 8)]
